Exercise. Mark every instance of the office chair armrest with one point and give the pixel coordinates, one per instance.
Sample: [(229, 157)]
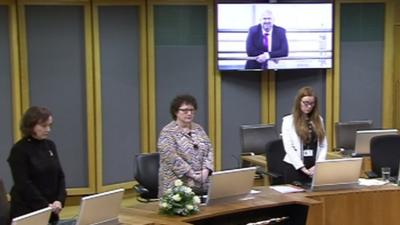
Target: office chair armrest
[(273, 175), (247, 153), (338, 149)]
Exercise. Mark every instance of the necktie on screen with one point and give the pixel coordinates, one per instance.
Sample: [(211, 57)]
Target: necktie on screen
[(265, 41)]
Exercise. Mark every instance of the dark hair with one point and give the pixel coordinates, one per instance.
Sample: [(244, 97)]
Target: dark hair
[(33, 116), (178, 101)]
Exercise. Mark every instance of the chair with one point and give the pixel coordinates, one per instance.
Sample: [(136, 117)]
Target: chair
[(147, 166), (275, 152), (4, 206), (385, 152), (345, 132), (255, 137)]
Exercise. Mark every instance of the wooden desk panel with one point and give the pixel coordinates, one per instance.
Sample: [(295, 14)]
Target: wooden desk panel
[(147, 213), (364, 206)]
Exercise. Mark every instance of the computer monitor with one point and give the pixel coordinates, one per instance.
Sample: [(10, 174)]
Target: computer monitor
[(363, 139), (346, 132), (101, 209), (230, 184), (39, 217), (336, 174)]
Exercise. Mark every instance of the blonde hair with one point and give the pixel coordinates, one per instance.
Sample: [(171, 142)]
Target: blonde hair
[(300, 120)]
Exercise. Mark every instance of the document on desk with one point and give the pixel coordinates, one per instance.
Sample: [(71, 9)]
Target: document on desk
[(286, 188), (371, 182)]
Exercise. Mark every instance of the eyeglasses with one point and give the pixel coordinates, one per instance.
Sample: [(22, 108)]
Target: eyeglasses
[(187, 110), (308, 104)]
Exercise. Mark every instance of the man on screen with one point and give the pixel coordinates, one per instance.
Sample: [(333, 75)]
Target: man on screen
[(265, 41)]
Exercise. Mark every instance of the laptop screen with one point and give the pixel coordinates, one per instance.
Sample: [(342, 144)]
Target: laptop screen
[(100, 208), (230, 183), (336, 172), (363, 138), (39, 217)]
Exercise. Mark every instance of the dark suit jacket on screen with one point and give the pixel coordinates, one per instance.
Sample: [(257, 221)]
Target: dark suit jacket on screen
[(255, 46)]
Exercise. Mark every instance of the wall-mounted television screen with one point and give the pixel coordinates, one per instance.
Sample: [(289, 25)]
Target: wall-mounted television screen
[(259, 36)]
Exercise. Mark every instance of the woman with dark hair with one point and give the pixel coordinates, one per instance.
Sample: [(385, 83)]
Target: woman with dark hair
[(303, 137), (38, 177), (185, 150)]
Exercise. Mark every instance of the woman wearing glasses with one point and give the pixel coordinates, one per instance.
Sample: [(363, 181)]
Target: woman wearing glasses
[(303, 137), (185, 150)]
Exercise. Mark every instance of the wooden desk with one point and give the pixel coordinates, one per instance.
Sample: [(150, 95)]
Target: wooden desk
[(257, 160), (260, 160), (147, 213), (363, 206)]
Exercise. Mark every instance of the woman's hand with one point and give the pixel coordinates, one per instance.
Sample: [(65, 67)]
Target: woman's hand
[(195, 175), (204, 174), (199, 176), (56, 207), (312, 170), (307, 172)]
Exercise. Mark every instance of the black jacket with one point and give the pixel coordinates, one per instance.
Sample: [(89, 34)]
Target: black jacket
[(38, 176)]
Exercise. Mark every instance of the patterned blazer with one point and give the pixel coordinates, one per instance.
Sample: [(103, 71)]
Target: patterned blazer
[(181, 152)]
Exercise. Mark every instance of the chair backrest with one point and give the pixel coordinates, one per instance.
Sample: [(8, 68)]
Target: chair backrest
[(345, 132), (147, 166), (385, 152), (255, 137), (4, 205), (275, 152)]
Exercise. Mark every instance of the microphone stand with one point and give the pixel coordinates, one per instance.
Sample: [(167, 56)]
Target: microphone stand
[(201, 192), (202, 200)]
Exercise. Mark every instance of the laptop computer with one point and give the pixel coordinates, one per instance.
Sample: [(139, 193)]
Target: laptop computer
[(230, 185), (336, 174), (39, 217), (100, 209), (363, 140)]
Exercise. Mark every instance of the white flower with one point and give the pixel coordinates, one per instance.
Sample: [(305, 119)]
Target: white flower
[(196, 200), (164, 205), (176, 197), (187, 190), (168, 191), (179, 200), (178, 183)]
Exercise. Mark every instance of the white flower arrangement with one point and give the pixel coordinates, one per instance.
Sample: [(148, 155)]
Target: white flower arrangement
[(179, 200)]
